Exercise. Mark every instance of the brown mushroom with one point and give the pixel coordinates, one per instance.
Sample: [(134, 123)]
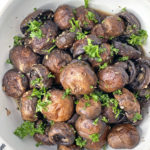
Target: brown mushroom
[(112, 78), (62, 16), (28, 106), (60, 109), (61, 133), (14, 83), (23, 58), (113, 26), (98, 31), (78, 77), (128, 102), (72, 147), (40, 72), (123, 136), (92, 111)]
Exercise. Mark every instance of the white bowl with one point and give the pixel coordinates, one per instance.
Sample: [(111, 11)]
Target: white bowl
[(11, 14)]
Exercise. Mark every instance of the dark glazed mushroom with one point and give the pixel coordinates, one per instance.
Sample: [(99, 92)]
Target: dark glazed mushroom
[(61, 108), (112, 78), (40, 72), (72, 147), (123, 136), (61, 133), (132, 23), (128, 103), (38, 15), (73, 119), (92, 111), (127, 50), (85, 127), (23, 58), (87, 17), (14, 83), (28, 106), (113, 26), (62, 16), (98, 31), (56, 61), (65, 40), (78, 77), (42, 45)]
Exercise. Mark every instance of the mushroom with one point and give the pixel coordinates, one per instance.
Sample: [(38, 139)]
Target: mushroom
[(65, 40), (123, 136), (113, 26), (73, 119), (92, 111), (39, 15), (42, 45), (56, 61), (61, 133), (41, 73), (87, 17), (57, 110), (78, 77), (127, 50), (112, 78), (128, 103), (62, 16), (28, 106), (143, 78), (132, 23), (14, 83), (23, 58), (72, 147)]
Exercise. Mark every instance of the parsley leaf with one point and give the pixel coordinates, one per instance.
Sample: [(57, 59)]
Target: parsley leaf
[(81, 35), (95, 122), (66, 93), (38, 144), (17, 40), (50, 75), (91, 16), (52, 122), (124, 58), (80, 142), (8, 61), (27, 128), (103, 66), (147, 96), (37, 81), (117, 92), (94, 137), (138, 39), (124, 9), (50, 49), (113, 50), (104, 119), (86, 3), (74, 25), (137, 117)]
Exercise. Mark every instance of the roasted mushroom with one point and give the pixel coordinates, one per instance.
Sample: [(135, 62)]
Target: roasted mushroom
[(112, 78), (127, 50), (38, 15), (86, 127), (128, 102), (78, 77), (14, 83), (62, 16), (61, 133), (72, 147), (73, 119), (40, 77), (61, 107), (113, 26), (87, 17), (123, 136), (132, 23), (23, 58), (98, 31), (56, 61), (28, 106), (42, 45), (91, 111)]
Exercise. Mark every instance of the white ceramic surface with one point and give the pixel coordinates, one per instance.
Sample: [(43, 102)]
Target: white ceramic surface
[(11, 14)]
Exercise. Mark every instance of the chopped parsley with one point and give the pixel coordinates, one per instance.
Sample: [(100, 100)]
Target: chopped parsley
[(147, 96), (104, 119), (34, 29), (74, 25), (94, 96), (27, 128), (79, 57), (81, 35), (124, 9), (86, 3), (8, 61), (117, 92), (36, 81), (50, 75), (86, 97), (66, 93), (124, 58), (114, 50), (103, 66), (91, 87), (50, 49), (22, 76), (91, 16), (80, 142), (52, 122), (76, 102), (38, 144), (94, 137), (17, 40), (35, 9), (87, 104), (95, 122), (136, 95), (138, 39), (137, 117)]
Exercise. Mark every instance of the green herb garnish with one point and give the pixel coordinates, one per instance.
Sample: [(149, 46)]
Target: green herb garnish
[(76, 102), (49, 50), (52, 122), (50, 75), (117, 92), (87, 104), (104, 119), (138, 39), (66, 93), (124, 9), (81, 35), (114, 50), (95, 122), (91, 16), (94, 137), (38, 144), (74, 25), (17, 40), (86, 3), (80, 142), (79, 57), (147, 96), (94, 96), (91, 87), (8, 61), (27, 128), (103, 66), (124, 58), (86, 97), (37, 81), (137, 117)]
